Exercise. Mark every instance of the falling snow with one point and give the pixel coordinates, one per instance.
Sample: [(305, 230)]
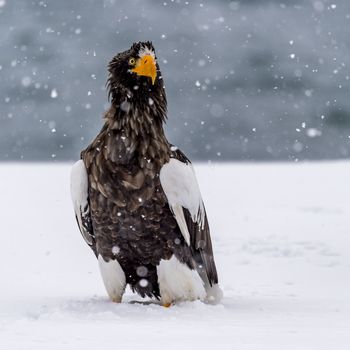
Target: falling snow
[(26, 81), (312, 132), (232, 88), (115, 250), (54, 93)]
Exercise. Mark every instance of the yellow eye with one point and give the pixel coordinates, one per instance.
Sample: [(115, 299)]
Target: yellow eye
[(132, 61)]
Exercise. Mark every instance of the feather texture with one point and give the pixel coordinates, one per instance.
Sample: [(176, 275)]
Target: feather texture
[(181, 188), (80, 198), (136, 198)]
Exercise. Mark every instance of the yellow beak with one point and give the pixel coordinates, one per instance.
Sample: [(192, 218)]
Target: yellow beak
[(146, 66)]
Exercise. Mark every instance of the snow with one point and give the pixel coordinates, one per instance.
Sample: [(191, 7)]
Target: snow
[(54, 93), (281, 239)]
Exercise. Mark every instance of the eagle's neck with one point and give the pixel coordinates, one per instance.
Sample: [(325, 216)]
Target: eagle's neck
[(136, 120)]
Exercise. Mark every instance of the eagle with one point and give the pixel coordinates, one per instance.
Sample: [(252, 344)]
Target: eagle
[(136, 198)]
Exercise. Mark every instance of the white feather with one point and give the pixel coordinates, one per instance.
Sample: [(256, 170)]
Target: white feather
[(144, 50), (79, 193), (177, 282), (79, 183), (214, 294), (113, 278), (181, 189), (180, 219)]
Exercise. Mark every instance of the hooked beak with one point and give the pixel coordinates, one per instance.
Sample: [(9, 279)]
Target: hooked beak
[(146, 66)]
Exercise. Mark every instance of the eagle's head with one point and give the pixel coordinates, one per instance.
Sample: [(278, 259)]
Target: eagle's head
[(136, 71)]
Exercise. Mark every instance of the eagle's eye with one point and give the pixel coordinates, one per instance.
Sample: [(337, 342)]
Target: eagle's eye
[(132, 61)]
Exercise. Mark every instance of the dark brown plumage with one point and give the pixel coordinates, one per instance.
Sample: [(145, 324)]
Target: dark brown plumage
[(128, 217)]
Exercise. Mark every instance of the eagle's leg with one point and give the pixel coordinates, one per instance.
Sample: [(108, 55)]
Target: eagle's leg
[(177, 282), (113, 278)]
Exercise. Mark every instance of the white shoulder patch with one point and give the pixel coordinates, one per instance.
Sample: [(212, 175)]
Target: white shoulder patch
[(182, 191), (79, 193), (79, 183)]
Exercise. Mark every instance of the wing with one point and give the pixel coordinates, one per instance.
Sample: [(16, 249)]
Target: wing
[(80, 196), (181, 188)]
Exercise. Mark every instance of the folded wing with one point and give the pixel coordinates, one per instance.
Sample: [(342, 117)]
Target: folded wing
[(80, 197), (181, 188)]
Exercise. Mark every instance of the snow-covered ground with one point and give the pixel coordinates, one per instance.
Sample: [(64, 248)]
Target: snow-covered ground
[(282, 242)]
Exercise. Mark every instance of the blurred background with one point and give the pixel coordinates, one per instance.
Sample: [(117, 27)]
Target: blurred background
[(246, 80)]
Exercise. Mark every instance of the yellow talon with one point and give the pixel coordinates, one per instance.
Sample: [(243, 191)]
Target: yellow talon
[(167, 304)]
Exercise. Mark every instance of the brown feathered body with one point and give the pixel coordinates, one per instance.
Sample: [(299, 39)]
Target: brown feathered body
[(130, 214)]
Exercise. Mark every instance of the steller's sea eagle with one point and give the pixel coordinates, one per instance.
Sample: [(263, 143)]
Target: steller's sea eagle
[(136, 197)]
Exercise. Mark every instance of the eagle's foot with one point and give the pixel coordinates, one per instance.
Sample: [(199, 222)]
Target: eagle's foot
[(166, 305), (117, 300)]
